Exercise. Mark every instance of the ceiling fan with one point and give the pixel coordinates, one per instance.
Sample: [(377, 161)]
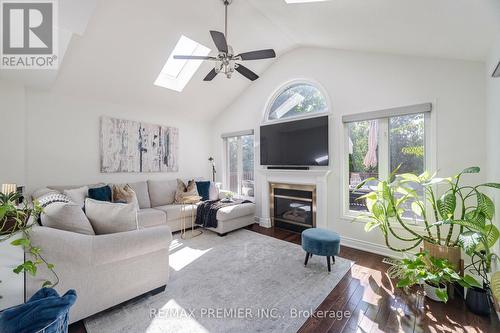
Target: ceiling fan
[(225, 61)]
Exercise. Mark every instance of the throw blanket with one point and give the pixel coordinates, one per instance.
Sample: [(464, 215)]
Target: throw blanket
[(42, 309), (206, 214)]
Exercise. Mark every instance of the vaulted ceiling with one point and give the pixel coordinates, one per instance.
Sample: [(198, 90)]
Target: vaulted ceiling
[(126, 42)]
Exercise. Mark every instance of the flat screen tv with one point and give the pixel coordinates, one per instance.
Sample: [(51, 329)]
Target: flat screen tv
[(295, 143)]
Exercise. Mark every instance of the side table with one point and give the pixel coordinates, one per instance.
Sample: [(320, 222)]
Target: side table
[(187, 231)]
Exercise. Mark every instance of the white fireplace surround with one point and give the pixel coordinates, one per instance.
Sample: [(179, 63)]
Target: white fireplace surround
[(317, 177)]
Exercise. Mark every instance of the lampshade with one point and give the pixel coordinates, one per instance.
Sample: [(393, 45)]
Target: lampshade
[(9, 188)]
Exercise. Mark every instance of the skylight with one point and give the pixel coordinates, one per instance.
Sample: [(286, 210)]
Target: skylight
[(304, 1), (176, 73)]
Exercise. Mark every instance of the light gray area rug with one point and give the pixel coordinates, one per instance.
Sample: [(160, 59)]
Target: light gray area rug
[(244, 282)]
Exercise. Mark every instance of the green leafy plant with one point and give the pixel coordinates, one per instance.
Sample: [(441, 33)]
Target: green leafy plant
[(17, 222), (465, 207), (495, 285), (426, 269)]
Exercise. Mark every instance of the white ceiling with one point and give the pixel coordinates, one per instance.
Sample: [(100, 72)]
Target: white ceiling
[(126, 42)]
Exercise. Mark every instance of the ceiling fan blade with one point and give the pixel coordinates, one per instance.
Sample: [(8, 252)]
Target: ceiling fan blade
[(219, 40), (210, 76), (246, 72), (257, 55), (192, 57)]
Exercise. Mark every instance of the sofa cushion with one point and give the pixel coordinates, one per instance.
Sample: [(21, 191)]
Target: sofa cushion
[(150, 217), (37, 194), (100, 193), (78, 195), (142, 193), (162, 192), (174, 212), (109, 218), (66, 216), (231, 212)]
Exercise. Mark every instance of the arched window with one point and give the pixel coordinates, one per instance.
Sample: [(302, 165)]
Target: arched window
[(297, 99)]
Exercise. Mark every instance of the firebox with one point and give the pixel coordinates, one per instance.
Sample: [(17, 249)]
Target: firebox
[(293, 206)]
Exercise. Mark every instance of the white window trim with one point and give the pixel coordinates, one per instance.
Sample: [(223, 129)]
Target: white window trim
[(226, 168), (284, 86), (430, 140)]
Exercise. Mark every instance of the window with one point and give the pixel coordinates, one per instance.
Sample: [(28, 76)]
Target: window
[(177, 72), (296, 100), (239, 163), (377, 146)]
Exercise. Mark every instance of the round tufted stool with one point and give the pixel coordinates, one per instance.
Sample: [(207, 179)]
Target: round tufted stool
[(320, 242)]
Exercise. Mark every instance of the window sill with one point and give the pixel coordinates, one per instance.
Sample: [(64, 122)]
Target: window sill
[(356, 218)]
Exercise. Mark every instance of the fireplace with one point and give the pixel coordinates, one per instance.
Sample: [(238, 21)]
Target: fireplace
[(293, 206)]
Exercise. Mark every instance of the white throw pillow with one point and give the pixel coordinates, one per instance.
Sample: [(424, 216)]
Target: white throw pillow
[(213, 191), (110, 218), (78, 195), (66, 216)]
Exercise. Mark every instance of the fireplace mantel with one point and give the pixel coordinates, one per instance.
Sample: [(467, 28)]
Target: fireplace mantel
[(317, 177)]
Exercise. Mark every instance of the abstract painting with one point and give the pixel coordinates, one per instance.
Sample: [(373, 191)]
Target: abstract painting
[(131, 146)]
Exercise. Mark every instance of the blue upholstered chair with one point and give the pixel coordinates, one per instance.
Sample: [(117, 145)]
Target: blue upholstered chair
[(320, 242)]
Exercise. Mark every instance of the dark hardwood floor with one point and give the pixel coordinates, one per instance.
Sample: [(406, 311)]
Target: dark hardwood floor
[(374, 304)]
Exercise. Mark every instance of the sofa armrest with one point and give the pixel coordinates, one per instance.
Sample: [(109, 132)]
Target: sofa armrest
[(125, 245), (62, 246), (85, 250)]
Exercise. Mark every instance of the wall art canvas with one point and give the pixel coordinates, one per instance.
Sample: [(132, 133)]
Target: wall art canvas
[(131, 146)]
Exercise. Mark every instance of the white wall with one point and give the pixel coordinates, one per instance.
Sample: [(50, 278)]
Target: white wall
[(493, 128), (63, 140), (12, 133), (361, 81)]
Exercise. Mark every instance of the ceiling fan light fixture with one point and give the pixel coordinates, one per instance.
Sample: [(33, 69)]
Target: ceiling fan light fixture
[(225, 60)]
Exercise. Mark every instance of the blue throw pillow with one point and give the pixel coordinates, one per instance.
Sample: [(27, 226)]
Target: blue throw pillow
[(203, 190), (100, 193)]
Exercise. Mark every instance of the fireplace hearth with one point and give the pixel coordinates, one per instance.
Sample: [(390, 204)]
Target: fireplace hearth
[(293, 206)]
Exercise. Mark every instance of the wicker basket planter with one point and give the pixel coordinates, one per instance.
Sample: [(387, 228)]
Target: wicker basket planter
[(453, 254)]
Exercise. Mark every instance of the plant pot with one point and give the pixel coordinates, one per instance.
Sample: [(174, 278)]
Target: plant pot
[(430, 291), (478, 301), (9, 226), (453, 253)]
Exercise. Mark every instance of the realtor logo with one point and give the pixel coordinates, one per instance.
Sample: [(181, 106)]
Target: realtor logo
[(28, 34)]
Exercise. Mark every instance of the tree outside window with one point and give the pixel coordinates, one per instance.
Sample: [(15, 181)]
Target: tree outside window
[(394, 142)]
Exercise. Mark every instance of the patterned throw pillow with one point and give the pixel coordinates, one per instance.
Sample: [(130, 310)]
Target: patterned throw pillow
[(184, 191), (125, 194), (49, 198)]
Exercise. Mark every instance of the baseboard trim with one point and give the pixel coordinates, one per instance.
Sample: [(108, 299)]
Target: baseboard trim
[(263, 222), (369, 247)]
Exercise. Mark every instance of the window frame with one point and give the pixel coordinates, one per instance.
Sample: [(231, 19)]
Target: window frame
[(284, 87), (430, 160), (226, 167)]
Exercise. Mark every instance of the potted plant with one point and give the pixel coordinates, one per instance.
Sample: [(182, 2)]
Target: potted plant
[(462, 206), (478, 298), (228, 196), (16, 222), (433, 273)]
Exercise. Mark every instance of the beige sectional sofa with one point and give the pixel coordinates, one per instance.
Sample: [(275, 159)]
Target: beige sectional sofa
[(107, 270), (157, 207)]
